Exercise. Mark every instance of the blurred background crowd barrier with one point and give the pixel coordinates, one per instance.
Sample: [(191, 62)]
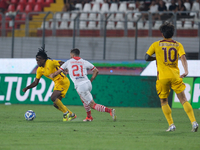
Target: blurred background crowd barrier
[(102, 30)]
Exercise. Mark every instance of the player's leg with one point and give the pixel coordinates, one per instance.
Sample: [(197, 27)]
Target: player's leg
[(189, 110), (167, 113), (86, 96), (56, 99), (178, 86), (163, 89), (88, 111)]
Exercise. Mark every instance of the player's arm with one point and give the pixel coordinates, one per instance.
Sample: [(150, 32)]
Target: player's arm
[(32, 85), (95, 73), (55, 73), (185, 66), (61, 63), (149, 58)]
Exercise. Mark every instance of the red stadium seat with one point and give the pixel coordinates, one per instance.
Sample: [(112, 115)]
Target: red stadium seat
[(20, 7), (41, 2), (22, 2), (37, 8), (23, 17), (49, 1), (11, 7), (32, 2), (28, 8), (15, 2)]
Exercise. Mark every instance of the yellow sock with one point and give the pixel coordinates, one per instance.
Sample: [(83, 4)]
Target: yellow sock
[(61, 107), (167, 112), (188, 109)]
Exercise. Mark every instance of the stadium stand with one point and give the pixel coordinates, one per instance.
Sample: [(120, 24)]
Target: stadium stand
[(90, 16)]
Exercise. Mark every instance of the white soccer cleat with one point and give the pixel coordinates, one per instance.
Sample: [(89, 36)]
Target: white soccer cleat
[(195, 126), (171, 128), (113, 114)]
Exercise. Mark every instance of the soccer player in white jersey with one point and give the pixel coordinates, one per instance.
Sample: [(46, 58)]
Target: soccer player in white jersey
[(77, 69)]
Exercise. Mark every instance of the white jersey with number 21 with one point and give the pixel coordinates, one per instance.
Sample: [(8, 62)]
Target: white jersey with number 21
[(77, 69)]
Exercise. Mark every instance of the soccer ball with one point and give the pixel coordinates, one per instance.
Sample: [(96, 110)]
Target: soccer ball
[(30, 115)]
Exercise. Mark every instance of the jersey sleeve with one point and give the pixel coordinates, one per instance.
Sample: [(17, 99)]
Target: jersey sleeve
[(64, 66), (56, 63), (90, 66), (38, 73), (151, 49), (181, 50)]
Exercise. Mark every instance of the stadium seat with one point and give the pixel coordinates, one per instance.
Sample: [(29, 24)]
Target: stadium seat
[(119, 16), (179, 24), (113, 8), (46, 25), (104, 8), (87, 7), (83, 16), (71, 25), (187, 24), (37, 8), (130, 16), (23, 2), (64, 25), (130, 25), (79, 6), (47, 3), (146, 26), (11, 7), (123, 7), (41, 2), (28, 8), (20, 7), (95, 8), (120, 25), (111, 25), (23, 16), (32, 2), (157, 25), (99, 1), (82, 25), (92, 25), (140, 25), (187, 6), (15, 2), (167, 5), (73, 15), (195, 26), (52, 24), (64, 21)]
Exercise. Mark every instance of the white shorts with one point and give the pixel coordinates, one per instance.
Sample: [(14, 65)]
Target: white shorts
[(84, 90)]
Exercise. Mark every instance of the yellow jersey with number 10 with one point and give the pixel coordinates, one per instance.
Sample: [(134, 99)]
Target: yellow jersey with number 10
[(167, 52)]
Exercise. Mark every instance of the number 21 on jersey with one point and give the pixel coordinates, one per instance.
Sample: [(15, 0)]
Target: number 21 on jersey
[(77, 70), (171, 53)]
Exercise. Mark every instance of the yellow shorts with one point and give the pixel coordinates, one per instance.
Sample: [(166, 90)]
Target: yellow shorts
[(163, 86), (62, 85)]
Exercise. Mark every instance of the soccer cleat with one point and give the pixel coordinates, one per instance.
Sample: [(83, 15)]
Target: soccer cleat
[(171, 128), (113, 114), (195, 126), (71, 116), (88, 119), (65, 116)]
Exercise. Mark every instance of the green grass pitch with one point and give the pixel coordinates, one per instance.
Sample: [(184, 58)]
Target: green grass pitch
[(135, 128)]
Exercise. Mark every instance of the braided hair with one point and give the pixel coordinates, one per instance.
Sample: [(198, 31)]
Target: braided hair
[(42, 53)]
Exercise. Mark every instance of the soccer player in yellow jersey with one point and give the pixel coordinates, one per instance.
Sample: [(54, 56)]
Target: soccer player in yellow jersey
[(168, 76), (47, 66)]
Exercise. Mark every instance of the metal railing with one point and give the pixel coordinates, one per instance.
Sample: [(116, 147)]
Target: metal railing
[(78, 18)]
